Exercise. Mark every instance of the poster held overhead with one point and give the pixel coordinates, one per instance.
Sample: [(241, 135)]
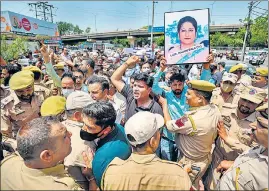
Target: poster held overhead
[(187, 36)]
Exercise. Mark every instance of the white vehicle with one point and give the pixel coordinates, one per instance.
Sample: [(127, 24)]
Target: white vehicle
[(253, 57)]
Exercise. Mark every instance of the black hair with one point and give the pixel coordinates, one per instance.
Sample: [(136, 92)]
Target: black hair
[(222, 64), (151, 61), (177, 76), (69, 75), (184, 20), (113, 67), (206, 95), (13, 68), (102, 111), (101, 80), (37, 75), (133, 76), (91, 63), (80, 71), (132, 139), (145, 77)]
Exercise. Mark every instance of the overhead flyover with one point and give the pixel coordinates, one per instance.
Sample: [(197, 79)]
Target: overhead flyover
[(232, 28)]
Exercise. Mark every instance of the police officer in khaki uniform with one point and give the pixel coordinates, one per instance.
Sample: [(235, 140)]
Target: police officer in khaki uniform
[(197, 129), (243, 80), (4, 91), (250, 170), (143, 170), (74, 161), (42, 146), (21, 106), (260, 78), (40, 89), (232, 139), (53, 106), (225, 94)]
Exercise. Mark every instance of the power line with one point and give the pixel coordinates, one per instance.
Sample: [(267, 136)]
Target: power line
[(260, 8), (43, 10)]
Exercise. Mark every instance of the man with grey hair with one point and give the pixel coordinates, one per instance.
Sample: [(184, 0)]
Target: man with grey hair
[(74, 161), (43, 143)]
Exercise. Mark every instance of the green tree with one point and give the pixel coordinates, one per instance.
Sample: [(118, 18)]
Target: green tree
[(65, 28), (141, 41), (77, 30), (13, 50), (160, 40), (145, 27), (259, 31), (88, 30)]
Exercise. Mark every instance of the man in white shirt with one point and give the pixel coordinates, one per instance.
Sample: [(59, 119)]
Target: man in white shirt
[(98, 88)]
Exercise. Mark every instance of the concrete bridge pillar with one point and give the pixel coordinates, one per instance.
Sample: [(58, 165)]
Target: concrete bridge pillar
[(131, 41)]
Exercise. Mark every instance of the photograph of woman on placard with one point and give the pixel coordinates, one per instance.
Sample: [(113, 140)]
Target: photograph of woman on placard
[(187, 36)]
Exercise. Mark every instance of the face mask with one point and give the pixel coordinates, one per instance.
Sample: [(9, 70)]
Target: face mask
[(227, 87), (84, 135), (129, 72), (146, 70), (67, 92), (44, 71)]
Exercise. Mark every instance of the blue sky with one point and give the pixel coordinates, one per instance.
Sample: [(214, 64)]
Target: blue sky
[(124, 15)]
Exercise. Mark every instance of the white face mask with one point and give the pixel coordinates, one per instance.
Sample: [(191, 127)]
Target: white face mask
[(67, 92), (147, 70)]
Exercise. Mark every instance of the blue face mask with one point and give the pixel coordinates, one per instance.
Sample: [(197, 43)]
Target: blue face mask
[(44, 71), (67, 92)]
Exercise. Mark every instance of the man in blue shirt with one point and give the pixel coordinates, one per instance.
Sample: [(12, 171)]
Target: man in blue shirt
[(99, 126), (177, 105)]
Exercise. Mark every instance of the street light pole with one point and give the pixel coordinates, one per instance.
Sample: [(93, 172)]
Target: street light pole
[(95, 23), (152, 25), (148, 15), (247, 31), (211, 11)]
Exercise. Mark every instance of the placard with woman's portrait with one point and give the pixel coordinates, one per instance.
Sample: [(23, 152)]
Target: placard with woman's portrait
[(187, 36)]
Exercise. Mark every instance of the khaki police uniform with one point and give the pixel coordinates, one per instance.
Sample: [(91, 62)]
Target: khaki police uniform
[(50, 85), (144, 172), (219, 100), (237, 141), (42, 90), (4, 91), (17, 176), (14, 113), (74, 161), (249, 172), (195, 134)]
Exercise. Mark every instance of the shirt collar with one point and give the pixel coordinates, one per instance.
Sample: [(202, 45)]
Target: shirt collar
[(143, 158), (106, 139), (250, 118), (58, 169)]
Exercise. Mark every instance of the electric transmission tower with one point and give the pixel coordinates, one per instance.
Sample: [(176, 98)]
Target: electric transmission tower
[(43, 10)]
